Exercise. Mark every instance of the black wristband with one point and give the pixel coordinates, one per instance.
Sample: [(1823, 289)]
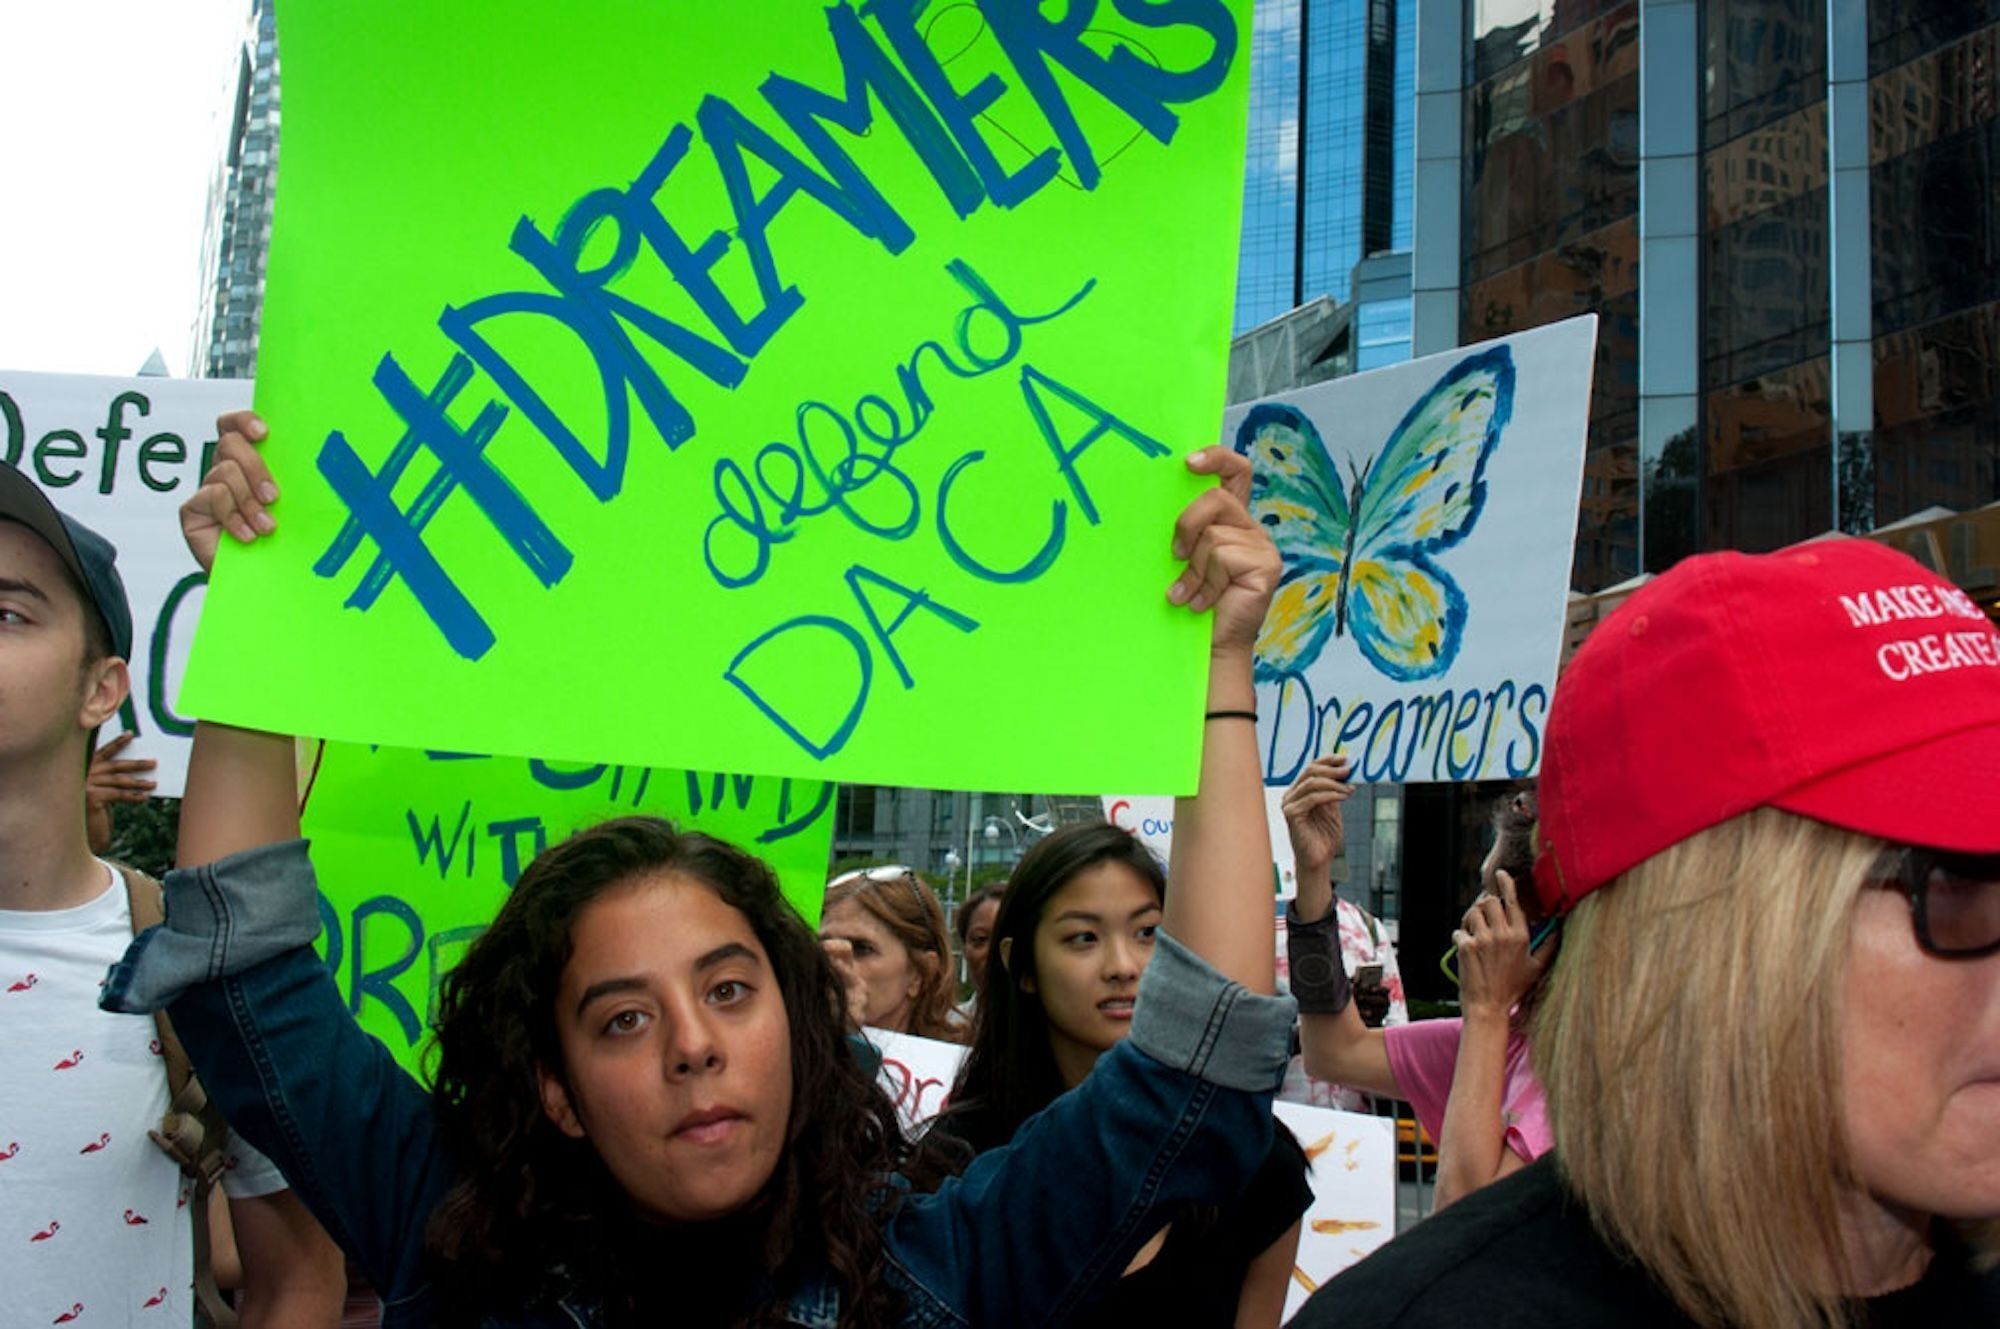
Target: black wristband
[(1318, 977), (1251, 716)]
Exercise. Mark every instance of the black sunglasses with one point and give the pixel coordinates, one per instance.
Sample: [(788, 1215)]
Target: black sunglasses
[(1954, 898)]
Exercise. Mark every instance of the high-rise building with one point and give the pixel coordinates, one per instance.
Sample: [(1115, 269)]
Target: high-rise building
[(1786, 214), (238, 228), (1331, 149)]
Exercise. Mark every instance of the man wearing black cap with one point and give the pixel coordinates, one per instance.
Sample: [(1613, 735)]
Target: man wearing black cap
[(94, 1220)]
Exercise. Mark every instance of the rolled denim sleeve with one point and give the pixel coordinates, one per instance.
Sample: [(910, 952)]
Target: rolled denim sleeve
[(1193, 1019), (1179, 1112), (223, 918)]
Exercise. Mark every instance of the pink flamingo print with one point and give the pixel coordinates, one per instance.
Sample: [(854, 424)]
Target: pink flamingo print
[(47, 1232), (12, 1148), (157, 1299), (74, 1312), (23, 985), (133, 1218), (101, 1142), (70, 1062)]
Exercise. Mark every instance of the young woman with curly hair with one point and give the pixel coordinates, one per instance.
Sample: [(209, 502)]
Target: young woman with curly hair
[(645, 1109)]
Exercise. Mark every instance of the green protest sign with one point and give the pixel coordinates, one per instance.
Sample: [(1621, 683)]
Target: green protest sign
[(793, 388), (416, 851)]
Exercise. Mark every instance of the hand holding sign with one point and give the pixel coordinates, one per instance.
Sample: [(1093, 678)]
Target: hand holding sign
[(113, 780), (1312, 812), (1232, 566), (235, 494)]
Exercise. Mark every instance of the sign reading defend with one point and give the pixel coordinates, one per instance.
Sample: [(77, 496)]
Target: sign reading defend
[(803, 393)]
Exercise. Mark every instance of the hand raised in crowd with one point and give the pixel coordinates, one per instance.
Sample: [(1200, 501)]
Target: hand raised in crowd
[(1312, 812), (1495, 966), (236, 493), (854, 987), (1232, 565), (113, 780)]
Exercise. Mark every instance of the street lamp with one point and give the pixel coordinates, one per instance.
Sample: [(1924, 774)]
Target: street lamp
[(993, 828)]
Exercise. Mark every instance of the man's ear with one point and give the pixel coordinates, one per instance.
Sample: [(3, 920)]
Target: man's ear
[(556, 1104), (107, 683), (1007, 962)]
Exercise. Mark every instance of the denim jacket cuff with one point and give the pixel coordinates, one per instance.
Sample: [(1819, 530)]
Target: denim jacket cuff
[(1192, 1018), (222, 918)]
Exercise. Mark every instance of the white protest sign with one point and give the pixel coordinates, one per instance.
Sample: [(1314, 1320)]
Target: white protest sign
[(1427, 515), (1353, 1159), (917, 1073), (120, 455), (1151, 818)]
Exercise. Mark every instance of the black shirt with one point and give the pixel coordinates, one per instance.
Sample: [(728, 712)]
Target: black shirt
[(1522, 1254), (1196, 1277)]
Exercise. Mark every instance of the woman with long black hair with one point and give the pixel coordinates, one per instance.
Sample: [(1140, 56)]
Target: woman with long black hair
[(1076, 930)]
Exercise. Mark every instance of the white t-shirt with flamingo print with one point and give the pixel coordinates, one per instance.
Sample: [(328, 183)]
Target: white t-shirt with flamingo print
[(94, 1224)]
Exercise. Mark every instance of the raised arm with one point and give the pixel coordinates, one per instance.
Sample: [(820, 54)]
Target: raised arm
[(1219, 878), (242, 787), (269, 1035), (1496, 970), (1180, 1110), (1338, 1046)]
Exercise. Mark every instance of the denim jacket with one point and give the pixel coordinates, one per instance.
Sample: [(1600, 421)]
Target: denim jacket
[(1179, 1112)]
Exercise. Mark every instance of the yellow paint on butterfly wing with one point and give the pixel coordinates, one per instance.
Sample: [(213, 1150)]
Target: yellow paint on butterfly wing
[(1422, 487), (1297, 611), (1405, 612)]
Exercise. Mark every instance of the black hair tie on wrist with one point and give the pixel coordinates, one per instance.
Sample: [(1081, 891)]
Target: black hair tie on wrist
[(1251, 716)]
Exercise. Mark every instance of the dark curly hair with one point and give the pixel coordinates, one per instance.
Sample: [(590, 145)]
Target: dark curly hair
[(1010, 1074), (536, 1214)]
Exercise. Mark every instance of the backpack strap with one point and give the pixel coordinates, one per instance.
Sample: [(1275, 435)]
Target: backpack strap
[(193, 1132)]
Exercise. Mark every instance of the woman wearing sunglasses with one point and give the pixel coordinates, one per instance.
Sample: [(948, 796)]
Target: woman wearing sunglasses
[(1770, 807), (894, 929)]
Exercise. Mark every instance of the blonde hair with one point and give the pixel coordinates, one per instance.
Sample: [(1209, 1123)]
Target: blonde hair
[(911, 912), (1689, 1044)]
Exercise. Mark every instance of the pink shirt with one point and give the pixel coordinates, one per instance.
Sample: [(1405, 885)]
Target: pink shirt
[(1423, 1057)]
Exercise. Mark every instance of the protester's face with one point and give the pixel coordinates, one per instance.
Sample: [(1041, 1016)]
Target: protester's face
[(891, 973), (1094, 939), (1920, 1046), (676, 1048), (47, 694), (979, 939)]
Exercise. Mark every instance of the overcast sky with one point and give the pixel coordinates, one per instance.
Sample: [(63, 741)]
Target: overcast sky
[(111, 121)]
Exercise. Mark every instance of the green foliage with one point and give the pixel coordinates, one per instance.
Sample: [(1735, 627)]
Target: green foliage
[(143, 834)]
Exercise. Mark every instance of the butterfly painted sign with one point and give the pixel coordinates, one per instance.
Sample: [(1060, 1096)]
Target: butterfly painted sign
[(1427, 516)]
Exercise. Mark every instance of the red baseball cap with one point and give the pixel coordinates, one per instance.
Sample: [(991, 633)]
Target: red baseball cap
[(1839, 680)]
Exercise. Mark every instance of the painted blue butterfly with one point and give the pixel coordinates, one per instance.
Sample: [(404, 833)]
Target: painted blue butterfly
[(1362, 554)]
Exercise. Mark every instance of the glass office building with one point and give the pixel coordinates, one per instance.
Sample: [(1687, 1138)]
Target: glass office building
[(1786, 215), (237, 230), (1327, 179), (1784, 212)]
